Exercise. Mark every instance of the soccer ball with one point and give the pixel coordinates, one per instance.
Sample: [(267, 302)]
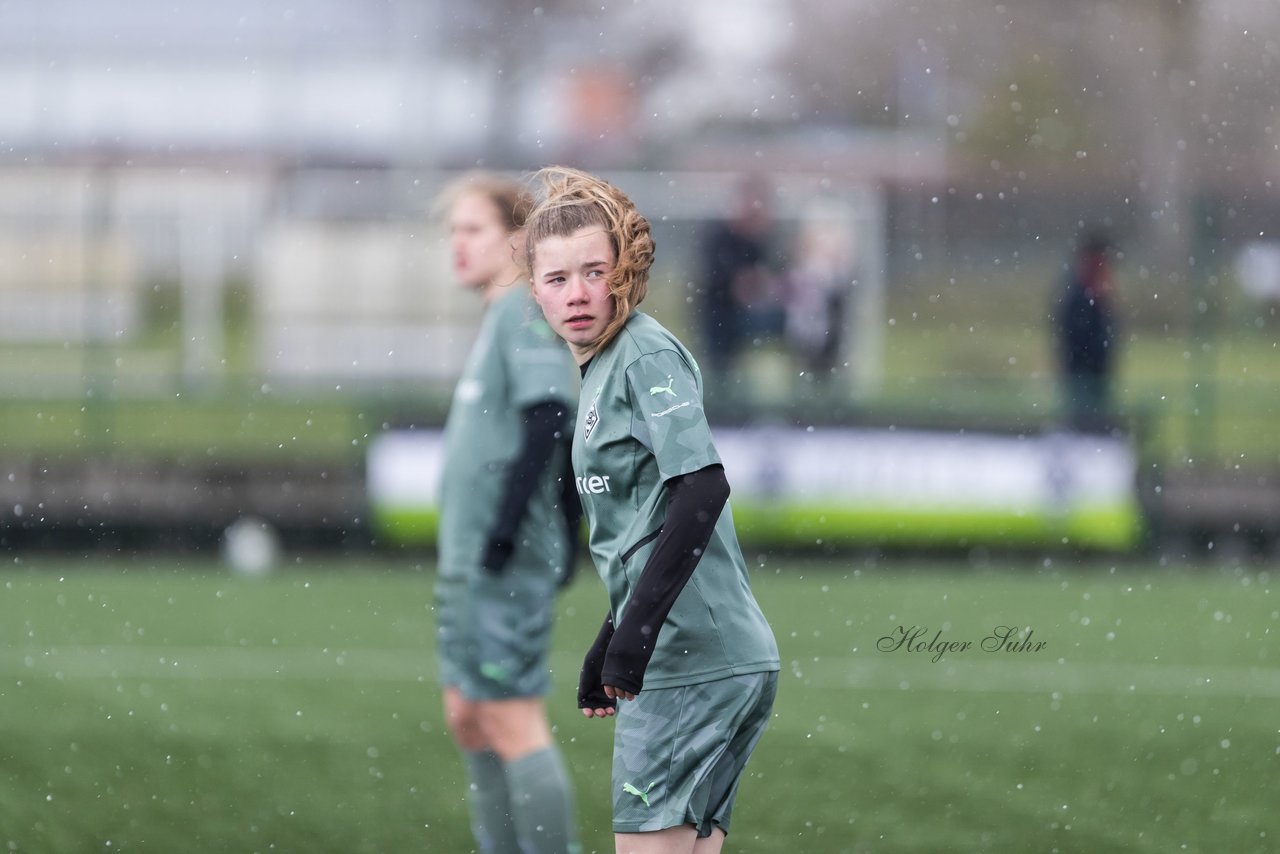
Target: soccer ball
[(250, 546)]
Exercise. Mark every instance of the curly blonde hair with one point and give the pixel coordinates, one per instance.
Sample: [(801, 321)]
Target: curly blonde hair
[(568, 200)]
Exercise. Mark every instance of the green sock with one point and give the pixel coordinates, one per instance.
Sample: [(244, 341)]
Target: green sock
[(542, 803), (490, 803)]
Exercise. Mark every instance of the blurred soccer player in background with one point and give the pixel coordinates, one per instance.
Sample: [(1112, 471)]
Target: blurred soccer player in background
[(684, 639), (508, 525)]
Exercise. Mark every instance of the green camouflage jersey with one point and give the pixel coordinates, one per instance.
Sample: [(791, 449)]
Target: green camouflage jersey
[(516, 362), (640, 423)]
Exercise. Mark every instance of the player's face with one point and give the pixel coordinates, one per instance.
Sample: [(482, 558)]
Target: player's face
[(479, 242), (571, 283)]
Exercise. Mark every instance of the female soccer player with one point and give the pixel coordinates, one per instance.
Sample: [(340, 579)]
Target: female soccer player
[(506, 533), (684, 640)]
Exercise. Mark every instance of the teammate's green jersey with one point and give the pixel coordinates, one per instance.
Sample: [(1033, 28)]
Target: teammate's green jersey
[(516, 361), (640, 423)]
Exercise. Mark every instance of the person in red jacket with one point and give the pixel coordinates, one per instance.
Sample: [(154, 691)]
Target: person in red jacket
[(1085, 323)]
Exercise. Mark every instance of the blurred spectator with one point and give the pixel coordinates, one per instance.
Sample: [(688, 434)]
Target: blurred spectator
[(739, 292), (816, 289), (1084, 318), (1257, 268)]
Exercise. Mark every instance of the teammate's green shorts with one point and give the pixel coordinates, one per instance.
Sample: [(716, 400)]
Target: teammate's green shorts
[(493, 632), (679, 753)]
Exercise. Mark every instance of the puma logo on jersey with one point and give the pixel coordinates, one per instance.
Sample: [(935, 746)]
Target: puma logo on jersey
[(642, 794), (592, 484), (660, 389)]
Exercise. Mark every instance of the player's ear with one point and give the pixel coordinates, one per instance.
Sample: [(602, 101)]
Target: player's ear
[(518, 251)]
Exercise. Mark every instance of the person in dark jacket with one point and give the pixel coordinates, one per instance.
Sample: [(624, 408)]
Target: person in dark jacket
[(1084, 320), (737, 285)]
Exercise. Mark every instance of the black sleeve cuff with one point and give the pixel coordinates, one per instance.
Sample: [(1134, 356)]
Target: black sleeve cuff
[(590, 682)]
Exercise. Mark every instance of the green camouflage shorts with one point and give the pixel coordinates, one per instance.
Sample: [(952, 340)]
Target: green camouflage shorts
[(679, 753), (492, 634)]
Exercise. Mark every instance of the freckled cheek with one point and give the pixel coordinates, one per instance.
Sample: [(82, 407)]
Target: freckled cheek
[(556, 310)]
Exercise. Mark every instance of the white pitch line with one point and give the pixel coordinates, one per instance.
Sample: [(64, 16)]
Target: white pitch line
[(1023, 677), (220, 663), (886, 671)]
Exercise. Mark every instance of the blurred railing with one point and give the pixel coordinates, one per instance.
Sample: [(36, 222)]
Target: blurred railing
[(144, 309), (245, 418)]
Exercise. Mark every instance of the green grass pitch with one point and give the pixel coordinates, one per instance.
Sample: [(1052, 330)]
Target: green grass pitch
[(163, 705)]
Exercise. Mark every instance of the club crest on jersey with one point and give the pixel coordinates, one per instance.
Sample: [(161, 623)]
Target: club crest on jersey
[(590, 422)]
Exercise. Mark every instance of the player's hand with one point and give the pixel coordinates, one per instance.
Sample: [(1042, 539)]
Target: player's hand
[(592, 699), (496, 555), (618, 693)]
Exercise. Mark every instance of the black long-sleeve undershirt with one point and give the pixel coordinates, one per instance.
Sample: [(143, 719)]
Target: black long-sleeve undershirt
[(544, 428), (590, 689), (571, 508), (621, 653)]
